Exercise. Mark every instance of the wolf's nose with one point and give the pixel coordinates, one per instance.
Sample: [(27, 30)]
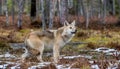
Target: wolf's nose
[(75, 31)]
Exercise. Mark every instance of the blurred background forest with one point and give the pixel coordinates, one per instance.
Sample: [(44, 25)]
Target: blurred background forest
[(96, 45), (52, 13)]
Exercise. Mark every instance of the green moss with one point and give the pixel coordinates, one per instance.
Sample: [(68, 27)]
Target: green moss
[(96, 38), (82, 46), (86, 67), (24, 31), (4, 46)]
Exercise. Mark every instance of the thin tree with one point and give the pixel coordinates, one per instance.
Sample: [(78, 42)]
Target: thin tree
[(119, 6), (104, 10), (13, 11), (37, 8), (70, 3), (113, 7), (87, 14), (0, 7), (99, 8), (33, 10), (6, 12), (3, 7), (21, 8), (81, 8), (42, 15), (62, 10), (28, 7), (46, 11), (52, 12)]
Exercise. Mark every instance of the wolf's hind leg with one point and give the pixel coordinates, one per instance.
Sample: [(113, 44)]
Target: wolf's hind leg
[(25, 55), (39, 57)]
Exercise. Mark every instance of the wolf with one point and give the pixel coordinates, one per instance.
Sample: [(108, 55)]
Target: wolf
[(49, 39)]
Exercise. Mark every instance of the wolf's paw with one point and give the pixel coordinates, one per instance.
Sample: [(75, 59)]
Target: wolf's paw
[(40, 59), (56, 60), (22, 60)]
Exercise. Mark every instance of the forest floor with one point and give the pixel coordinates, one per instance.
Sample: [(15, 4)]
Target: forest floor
[(97, 47)]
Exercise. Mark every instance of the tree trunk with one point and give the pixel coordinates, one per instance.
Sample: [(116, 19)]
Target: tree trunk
[(62, 11), (37, 8), (52, 12), (33, 10), (21, 8), (13, 11), (119, 6), (27, 7), (46, 11), (113, 7), (104, 10), (3, 7), (87, 14), (92, 13), (100, 9), (6, 12), (42, 15), (70, 3), (87, 19), (0, 7), (82, 8)]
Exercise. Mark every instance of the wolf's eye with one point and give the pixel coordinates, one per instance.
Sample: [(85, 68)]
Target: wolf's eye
[(70, 27)]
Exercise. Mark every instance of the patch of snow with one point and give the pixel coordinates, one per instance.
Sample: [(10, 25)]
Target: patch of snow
[(3, 66), (108, 51), (7, 55), (16, 45), (89, 57), (44, 63), (91, 62), (32, 67), (65, 66), (10, 62), (15, 67), (113, 65), (104, 49), (59, 66), (119, 61), (72, 57), (95, 67), (116, 53)]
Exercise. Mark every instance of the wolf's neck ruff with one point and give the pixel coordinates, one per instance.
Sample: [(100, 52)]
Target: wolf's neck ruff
[(65, 38)]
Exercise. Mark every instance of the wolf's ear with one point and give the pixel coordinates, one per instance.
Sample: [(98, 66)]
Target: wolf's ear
[(73, 23), (66, 23)]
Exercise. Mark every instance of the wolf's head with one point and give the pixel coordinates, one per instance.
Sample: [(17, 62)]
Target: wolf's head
[(69, 29)]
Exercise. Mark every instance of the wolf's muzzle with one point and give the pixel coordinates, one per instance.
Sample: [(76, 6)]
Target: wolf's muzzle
[(74, 32)]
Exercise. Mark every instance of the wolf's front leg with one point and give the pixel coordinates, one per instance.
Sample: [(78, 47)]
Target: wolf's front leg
[(41, 53), (40, 58), (56, 53)]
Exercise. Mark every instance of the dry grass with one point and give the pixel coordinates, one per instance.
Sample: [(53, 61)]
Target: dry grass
[(96, 36)]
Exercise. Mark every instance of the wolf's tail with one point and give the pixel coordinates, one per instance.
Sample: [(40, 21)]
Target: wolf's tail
[(25, 40), (26, 37), (25, 43)]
